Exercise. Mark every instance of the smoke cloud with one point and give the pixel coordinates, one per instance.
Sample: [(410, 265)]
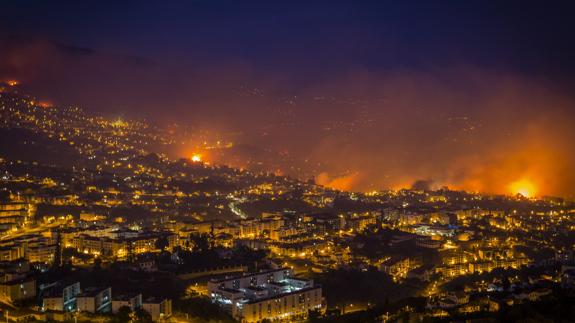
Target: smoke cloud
[(461, 126)]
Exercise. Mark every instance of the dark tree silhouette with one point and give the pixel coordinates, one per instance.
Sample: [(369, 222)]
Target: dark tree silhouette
[(162, 243)]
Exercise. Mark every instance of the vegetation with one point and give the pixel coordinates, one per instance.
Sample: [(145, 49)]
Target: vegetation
[(200, 309), (343, 287)]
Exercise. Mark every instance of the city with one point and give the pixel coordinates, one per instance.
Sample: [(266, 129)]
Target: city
[(122, 217), (132, 217)]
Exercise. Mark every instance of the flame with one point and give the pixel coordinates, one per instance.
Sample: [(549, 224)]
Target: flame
[(523, 186), (196, 158), (342, 183), (45, 104)]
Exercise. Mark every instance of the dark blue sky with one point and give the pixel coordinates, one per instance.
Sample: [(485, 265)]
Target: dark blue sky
[(314, 38)]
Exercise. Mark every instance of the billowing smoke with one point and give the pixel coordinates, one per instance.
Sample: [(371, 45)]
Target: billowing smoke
[(459, 126), (422, 185), (462, 128), (343, 182)]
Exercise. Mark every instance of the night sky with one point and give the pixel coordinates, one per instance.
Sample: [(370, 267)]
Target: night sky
[(476, 95)]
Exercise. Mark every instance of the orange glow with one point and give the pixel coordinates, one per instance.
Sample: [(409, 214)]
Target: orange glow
[(342, 183), (12, 82), (196, 158), (524, 187), (45, 104)]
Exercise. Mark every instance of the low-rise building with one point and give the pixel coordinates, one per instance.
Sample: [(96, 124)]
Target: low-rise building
[(272, 295), (132, 301), (159, 309), (95, 300), (18, 288), (63, 299), (399, 267)]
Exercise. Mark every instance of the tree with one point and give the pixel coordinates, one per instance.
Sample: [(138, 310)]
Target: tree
[(123, 315), (162, 243), (314, 316), (201, 309), (97, 264), (506, 283), (142, 316), (200, 242), (247, 256)]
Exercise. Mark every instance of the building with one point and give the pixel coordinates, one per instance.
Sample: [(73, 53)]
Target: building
[(360, 222), (121, 243), (286, 232), (427, 242), (326, 223), (62, 299), (41, 253), (132, 301), (398, 267), (281, 306), (159, 309), (434, 230), (147, 264), (272, 295), (18, 289), (298, 249), (423, 273), (95, 300), (16, 212), (256, 227), (11, 252), (24, 315), (453, 270), (15, 281)]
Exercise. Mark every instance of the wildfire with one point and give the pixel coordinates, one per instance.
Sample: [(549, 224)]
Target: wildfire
[(45, 104), (524, 187), (196, 158)]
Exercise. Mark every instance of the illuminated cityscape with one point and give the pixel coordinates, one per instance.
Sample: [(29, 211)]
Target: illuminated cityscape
[(267, 198)]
